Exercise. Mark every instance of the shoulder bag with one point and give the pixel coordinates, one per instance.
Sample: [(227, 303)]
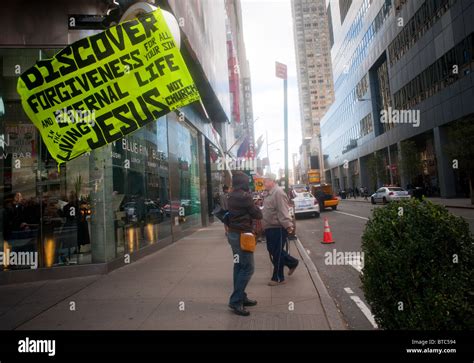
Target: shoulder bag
[(247, 242)]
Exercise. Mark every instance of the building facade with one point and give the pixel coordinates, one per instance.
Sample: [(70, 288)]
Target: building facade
[(403, 77), (127, 199), (314, 72)]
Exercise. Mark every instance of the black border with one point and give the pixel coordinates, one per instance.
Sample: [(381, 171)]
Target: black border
[(134, 346)]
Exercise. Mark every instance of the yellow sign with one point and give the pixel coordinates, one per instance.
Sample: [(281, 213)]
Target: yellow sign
[(314, 177), (103, 87), (259, 185)]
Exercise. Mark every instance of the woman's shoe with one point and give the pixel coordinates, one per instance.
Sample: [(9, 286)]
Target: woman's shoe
[(239, 310), (248, 302)]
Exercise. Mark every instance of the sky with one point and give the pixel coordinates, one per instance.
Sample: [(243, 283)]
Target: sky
[(268, 35)]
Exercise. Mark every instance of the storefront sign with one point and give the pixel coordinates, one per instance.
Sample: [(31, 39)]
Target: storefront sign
[(125, 77), (249, 116)]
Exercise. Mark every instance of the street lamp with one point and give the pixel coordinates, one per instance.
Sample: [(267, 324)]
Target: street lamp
[(268, 154)]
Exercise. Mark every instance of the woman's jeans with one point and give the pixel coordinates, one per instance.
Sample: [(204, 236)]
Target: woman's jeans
[(243, 269)]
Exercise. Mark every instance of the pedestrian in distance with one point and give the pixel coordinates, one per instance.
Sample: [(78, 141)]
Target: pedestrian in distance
[(277, 224), (223, 202), (223, 197), (366, 193), (242, 211)]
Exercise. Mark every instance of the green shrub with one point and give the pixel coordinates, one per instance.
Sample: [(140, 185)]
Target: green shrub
[(410, 277)]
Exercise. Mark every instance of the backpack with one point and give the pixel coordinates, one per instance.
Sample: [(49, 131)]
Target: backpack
[(222, 214)]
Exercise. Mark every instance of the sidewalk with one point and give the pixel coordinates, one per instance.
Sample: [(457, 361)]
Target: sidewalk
[(183, 286), (464, 203)]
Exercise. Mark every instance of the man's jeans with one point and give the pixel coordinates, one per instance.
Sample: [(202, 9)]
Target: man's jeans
[(276, 243), (243, 269)]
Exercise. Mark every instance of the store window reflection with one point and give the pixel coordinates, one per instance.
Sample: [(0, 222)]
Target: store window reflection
[(141, 188), (217, 179), (186, 201), (45, 211)]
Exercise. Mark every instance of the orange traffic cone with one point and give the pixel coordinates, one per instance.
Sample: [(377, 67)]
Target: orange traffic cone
[(327, 238)]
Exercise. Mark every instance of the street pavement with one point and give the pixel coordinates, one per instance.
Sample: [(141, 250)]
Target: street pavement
[(343, 283), (184, 286)]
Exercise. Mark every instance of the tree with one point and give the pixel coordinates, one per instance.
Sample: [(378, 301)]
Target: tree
[(460, 149), (376, 169), (418, 267), (410, 162)]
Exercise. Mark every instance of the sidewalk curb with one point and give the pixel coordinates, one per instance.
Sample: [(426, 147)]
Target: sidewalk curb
[(445, 205), (332, 313), (458, 206)]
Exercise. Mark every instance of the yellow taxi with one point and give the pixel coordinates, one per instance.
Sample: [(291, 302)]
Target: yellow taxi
[(325, 196)]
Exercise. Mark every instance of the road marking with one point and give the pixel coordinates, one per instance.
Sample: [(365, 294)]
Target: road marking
[(352, 215), (356, 263), (365, 310), (348, 290)]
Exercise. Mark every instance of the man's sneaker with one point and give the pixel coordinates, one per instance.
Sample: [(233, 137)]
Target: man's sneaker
[(248, 302), (293, 269), (276, 283), (239, 310)]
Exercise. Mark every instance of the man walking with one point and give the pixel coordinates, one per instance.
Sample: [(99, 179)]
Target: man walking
[(277, 224), (242, 210)]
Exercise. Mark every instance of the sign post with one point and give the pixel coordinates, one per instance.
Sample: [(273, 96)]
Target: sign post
[(281, 72)]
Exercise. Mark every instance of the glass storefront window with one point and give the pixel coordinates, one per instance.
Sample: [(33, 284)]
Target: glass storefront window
[(185, 205), (46, 212), (98, 207), (217, 174), (141, 188)]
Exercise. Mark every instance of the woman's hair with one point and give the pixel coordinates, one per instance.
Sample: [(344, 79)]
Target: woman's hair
[(240, 181)]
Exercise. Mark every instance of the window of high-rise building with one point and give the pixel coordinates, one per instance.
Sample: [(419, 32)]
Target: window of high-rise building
[(344, 6)]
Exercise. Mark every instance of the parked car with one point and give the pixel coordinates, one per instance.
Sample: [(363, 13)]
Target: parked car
[(305, 203), (389, 194), (153, 212), (175, 206), (299, 188)]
